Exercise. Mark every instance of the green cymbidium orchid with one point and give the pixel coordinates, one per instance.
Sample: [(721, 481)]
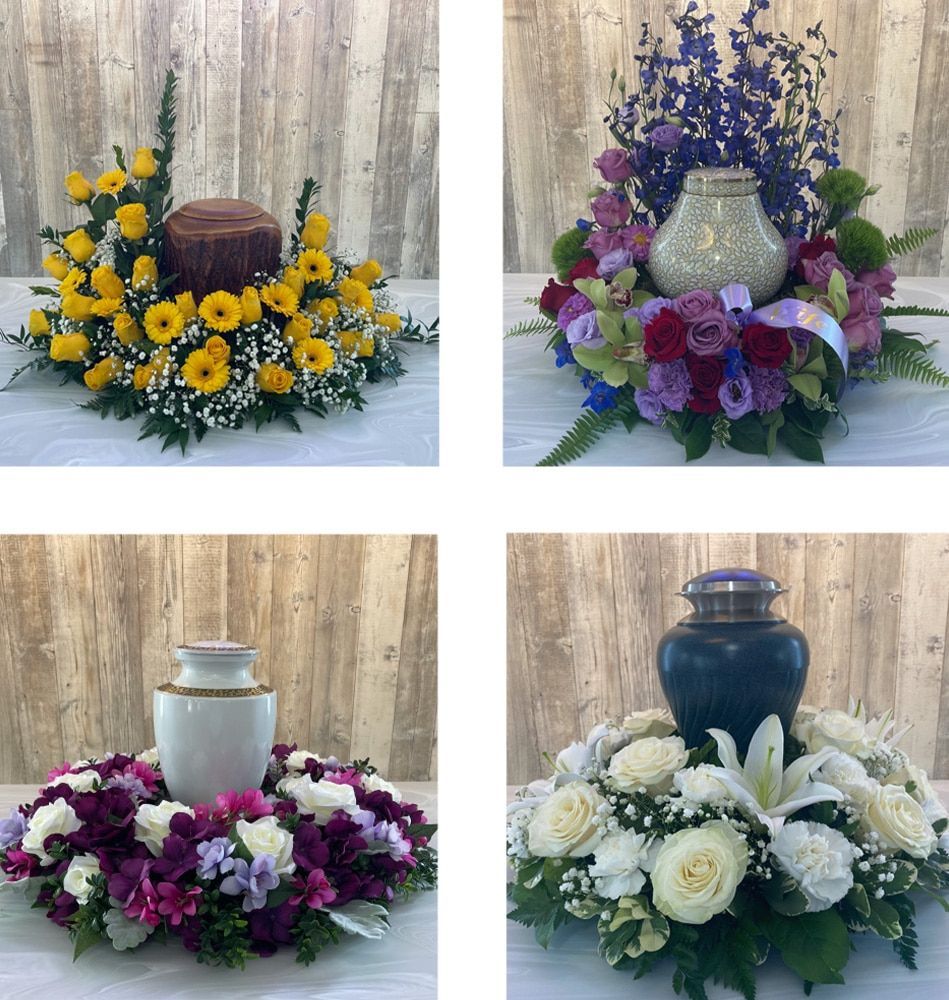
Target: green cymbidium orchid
[(762, 784)]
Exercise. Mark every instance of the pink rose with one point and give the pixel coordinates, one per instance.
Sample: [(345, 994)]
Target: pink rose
[(610, 209), (613, 165), (863, 333), (864, 300), (880, 280), (710, 333), (602, 242), (691, 305), (819, 271)]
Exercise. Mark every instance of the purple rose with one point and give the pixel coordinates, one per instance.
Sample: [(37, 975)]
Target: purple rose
[(638, 239), (769, 388), (693, 305), (861, 326), (864, 300), (665, 138), (610, 209), (736, 397), (819, 271), (602, 242), (584, 331), (710, 334), (881, 280), (671, 384), (793, 245), (613, 262), (613, 165), (647, 402), (575, 306), (649, 310)]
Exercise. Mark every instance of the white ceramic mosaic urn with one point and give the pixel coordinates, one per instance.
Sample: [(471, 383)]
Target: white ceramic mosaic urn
[(214, 724), (716, 235)]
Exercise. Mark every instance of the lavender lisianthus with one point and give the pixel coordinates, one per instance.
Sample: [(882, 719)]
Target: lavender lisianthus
[(614, 165), (612, 263), (215, 857), (736, 397), (12, 829), (670, 383), (665, 138), (610, 209), (254, 880), (575, 306), (603, 241), (769, 388), (649, 310), (584, 331), (710, 334), (649, 406)]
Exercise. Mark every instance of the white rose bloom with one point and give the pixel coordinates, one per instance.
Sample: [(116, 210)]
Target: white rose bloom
[(57, 817), (264, 836), (621, 859), (80, 870), (651, 761), (835, 728), (321, 798), (848, 775), (296, 761), (900, 821), (564, 824), (125, 932), (575, 758), (697, 872), (924, 793), (81, 782), (373, 783), (150, 757), (819, 860), (152, 821), (698, 785), (803, 717), (651, 722)]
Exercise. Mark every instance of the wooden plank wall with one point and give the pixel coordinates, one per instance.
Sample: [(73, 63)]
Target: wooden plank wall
[(585, 613), (891, 78), (345, 624), (269, 92)]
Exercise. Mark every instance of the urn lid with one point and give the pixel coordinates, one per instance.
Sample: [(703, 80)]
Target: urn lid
[(215, 647), (731, 594), (720, 182)]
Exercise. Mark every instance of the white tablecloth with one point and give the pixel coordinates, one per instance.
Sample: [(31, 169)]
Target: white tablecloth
[(40, 423), (898, 423), (36, 955), (571, 968)]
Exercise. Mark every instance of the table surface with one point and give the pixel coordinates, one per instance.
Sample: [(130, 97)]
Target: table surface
[(40, 423), (571, 968), (36, 955), (897, 423)]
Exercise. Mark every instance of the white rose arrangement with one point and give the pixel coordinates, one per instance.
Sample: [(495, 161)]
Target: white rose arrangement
[(714, 856)]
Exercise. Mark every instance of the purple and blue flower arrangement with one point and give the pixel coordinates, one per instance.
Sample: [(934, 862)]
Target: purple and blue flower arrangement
[(322, 849)]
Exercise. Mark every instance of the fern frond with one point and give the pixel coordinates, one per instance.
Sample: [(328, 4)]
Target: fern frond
[(909, 364), (586, 430), (913, 311), (911, 240), (532, 300), (530, 327)]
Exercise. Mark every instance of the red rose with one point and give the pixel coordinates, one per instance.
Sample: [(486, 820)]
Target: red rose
[(664, 336), (811, 250), (707, 374), (765, 346), (554, 296), (584, 268)]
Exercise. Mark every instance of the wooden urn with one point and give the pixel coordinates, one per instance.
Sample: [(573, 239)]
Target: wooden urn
[(219, 243)]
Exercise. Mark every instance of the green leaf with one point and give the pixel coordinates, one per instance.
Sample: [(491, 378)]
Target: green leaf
[(909, 365), (858, 899), (814, 945), (807, 385), (912, 239), (426, 830), (609, 328), (837, 290), (883, 919), (803, 444), (85, 938), (785, 897), (699, 439), (903, 877), (913, 311), (748, 435), (530, 327), (586, 430)]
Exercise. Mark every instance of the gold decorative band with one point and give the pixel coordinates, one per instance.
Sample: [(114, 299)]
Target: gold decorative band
[(216, 692)]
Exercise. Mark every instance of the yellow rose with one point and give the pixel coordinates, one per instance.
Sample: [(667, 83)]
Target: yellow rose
[(299, 328), (367, 273), (112, 182), (107, 283), (293, 278), (79, 246), (352, 340), (106, 307), (325, 310), (355, 294), (144, 165), (391, 321), (78, 188), (219, 349), (315, 231), (126, 329), (39, 324), (273, 378), (132, 221), (78, 307), (69, 347), (186, 305), (100, 375), (57, 265), (142, 376), (250, 306), (144, 273)]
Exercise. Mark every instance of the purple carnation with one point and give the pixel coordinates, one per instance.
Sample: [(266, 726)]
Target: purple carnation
[(647, 402), (665, 138), (584, 331), (575, 306), (612, 263), (769, 388), (735, 395), (670, 383)]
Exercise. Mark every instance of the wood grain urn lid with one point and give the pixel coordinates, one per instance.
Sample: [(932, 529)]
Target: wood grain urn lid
[(219, 243)]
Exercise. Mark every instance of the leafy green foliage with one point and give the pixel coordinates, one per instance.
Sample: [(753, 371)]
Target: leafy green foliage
[(861, 244), (313, 931), (567, 251), (912, 239), (909, 363), (537, 900), (531, 327), (306, 203), (913, 311), (814, 945), (586, 431), (225, 939)]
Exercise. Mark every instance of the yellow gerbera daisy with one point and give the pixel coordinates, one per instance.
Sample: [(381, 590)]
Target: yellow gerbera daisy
[(112, 182), (106, 307), (314, 354), (72, 281), (202, 373), (280, 297), (315, 266), (163, 321), (221, 311)]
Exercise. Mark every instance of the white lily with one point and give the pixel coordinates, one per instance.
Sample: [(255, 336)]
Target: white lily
[(879, 730), (762, 785)]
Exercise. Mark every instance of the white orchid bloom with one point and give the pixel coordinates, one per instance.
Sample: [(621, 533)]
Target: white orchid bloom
[(762, 785)]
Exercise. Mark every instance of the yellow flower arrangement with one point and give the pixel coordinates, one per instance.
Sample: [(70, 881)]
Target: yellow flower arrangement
[(185, 303), (274, 378), (106, 307), (293, 278), (355, 294), (280, 298), (314, 354), (57, 265), (100, 375), (219, 349), (325, 310), (368, 272), (315, 232), (79, 246), (202, 373), (298, 328), (78, 188), (353, 342), (143, 374), (221, 311), (107, 283), (391, 321), (112, 181), (69, 346), (126, 329), (250, 306), (163, 321), (144, 273), (315, 266), (39, 324), (144, 165), (78, 307), (132, 221), (74, 278)]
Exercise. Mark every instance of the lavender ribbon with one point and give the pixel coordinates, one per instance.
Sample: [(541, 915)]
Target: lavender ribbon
[(787, 313)]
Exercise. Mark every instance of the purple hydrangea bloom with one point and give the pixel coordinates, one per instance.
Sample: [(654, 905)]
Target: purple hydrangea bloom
[(215, 857), (12, 829), (612, 263), (575, 306), (584, 331), (670, 383), (255, 880), (735, 395), (769, 388), (647, 402)]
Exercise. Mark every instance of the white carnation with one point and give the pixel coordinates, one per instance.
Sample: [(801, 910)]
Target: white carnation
[(818, 858), (622, 858), (699, 785), (849, 776)]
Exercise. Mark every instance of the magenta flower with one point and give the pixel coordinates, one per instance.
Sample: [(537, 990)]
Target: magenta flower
[(249, 804), (614, 165), (19, 865), (638, 239), (314, 892), (57, 772), (602, 242), (610, 209), (176, 904), (144, 905)]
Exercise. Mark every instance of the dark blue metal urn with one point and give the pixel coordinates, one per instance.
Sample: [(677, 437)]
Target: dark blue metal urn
[(732, 662)]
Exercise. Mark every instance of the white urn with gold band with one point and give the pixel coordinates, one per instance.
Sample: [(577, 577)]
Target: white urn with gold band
[(214, 724)]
